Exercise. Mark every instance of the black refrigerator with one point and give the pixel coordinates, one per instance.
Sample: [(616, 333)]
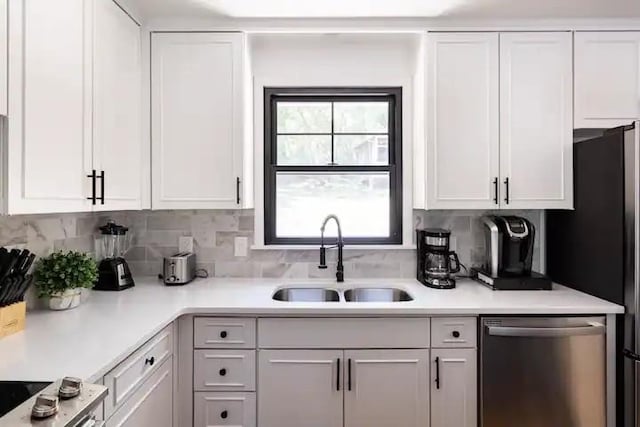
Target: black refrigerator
[(595, 248)]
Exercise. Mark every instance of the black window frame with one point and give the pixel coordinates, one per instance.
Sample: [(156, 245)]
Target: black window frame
[(272, 96)]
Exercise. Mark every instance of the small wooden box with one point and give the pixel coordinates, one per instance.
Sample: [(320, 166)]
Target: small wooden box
[(12, 318)]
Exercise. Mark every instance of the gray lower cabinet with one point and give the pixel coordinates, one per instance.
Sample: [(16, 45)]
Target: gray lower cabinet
[(151, 405), (350, 388), (300, 388)]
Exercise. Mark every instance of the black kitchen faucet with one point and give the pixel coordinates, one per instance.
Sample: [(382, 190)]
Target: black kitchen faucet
[(339, 245)]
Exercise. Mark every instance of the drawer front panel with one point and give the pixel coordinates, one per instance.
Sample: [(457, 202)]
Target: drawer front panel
[(344, 333), (460, 332), (224, 332), (125, 378), (224, 409), (224, 370)]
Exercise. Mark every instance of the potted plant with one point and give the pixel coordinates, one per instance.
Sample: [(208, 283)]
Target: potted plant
[(61, 277)]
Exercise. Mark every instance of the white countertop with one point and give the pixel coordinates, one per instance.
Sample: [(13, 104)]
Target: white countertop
[(92, 339)]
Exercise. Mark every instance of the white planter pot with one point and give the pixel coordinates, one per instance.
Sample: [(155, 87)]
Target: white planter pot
[(65, 300)]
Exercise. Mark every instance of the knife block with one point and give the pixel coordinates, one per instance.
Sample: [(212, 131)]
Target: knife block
[(12, 318)]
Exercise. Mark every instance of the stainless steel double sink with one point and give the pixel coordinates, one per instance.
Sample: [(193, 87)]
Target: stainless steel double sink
[(362, 294)]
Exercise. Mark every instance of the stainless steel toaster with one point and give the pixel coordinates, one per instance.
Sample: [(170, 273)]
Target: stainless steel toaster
[(179, 269)]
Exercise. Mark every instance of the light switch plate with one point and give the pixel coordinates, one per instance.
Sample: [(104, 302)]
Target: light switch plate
[(241, 246), (185, 244)]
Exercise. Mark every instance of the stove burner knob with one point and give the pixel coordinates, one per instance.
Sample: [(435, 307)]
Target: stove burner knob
[(46, 406), (70, 387)]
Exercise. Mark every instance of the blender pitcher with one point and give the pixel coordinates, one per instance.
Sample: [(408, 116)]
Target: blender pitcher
[(113, 271)]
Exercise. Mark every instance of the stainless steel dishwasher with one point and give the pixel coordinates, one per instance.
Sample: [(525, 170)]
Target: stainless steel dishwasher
[(543, 372)]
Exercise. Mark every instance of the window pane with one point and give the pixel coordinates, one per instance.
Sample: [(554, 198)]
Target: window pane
[(304, 150), (361, 149), (304, 117), (361, 117), (360, 200)]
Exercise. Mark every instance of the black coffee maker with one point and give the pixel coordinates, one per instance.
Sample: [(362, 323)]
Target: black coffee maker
[(507, 264), (113, 271), (436, 263)]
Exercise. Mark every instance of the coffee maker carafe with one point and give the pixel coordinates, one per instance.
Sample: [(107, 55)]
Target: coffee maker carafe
[(113, 271), (436, 263)]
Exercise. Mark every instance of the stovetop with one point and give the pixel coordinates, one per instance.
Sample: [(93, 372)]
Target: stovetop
[(13, 393)]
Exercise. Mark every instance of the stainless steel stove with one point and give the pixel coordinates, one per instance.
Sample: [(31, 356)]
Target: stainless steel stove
[(65, 403)]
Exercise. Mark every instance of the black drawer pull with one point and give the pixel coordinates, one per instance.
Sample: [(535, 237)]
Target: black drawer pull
[(438, 373), (224, 414), (150, 361), (223, 334), (455, 334), (223, 372)]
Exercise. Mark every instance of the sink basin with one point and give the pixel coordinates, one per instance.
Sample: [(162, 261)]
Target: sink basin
[(306, 295), (376, 295)]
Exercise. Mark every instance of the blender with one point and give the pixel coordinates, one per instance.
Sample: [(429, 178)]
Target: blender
[(113, 272)]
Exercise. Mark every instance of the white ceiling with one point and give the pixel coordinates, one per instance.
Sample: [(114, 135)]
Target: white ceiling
[(519, 9)]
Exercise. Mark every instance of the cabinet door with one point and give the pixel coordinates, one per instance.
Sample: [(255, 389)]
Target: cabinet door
[(49, 136), (196, 120), (299, 388), (117, 121), (151, 404), (607, 78), (454, 388), (224, 409), (462, 111), (536, 120), (386, 388)]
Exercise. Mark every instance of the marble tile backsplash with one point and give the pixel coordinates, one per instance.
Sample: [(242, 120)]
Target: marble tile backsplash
[(156, 233)]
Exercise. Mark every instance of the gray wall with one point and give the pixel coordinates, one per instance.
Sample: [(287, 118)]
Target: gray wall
[(156, 235)]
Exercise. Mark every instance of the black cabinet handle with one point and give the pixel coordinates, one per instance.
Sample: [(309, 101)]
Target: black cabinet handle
[(150, 361), (455, 334), (101, 177), (631, 355), (349, 375), (238, 190), (93, 187), (224, 414), (223, 372), (223, 334), (338, 374), (496, 190), (438, 373), (506, 185)]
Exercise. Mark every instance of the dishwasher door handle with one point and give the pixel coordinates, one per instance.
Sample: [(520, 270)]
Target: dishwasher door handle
[(518, 331)]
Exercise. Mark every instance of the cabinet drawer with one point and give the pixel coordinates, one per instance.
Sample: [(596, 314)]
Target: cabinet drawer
[(151, 404), (224, 409), (344, 333), (125, 378), (218, 332), (224, 370), (454, 332)]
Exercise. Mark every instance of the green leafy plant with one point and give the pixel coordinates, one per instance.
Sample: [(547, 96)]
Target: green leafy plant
[(62, 271)]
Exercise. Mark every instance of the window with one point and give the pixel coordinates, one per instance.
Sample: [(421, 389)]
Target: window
[(333, 151)]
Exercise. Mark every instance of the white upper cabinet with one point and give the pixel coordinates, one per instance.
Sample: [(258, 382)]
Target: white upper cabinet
[(197, 120), (117, 121), (499, 121), (49, 135), (3, 56), (386, 388), (607, 78), (536, 120), (462, 130)]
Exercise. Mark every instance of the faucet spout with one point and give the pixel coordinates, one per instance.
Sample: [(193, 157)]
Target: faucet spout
[(339, 245)]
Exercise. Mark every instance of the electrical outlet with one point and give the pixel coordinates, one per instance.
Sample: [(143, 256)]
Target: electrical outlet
[(241, 246), (185, 244)]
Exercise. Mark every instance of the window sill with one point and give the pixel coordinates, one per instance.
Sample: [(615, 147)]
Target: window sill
[(346, 248)]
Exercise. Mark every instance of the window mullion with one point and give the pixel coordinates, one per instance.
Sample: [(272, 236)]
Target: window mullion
[(333, 159)]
